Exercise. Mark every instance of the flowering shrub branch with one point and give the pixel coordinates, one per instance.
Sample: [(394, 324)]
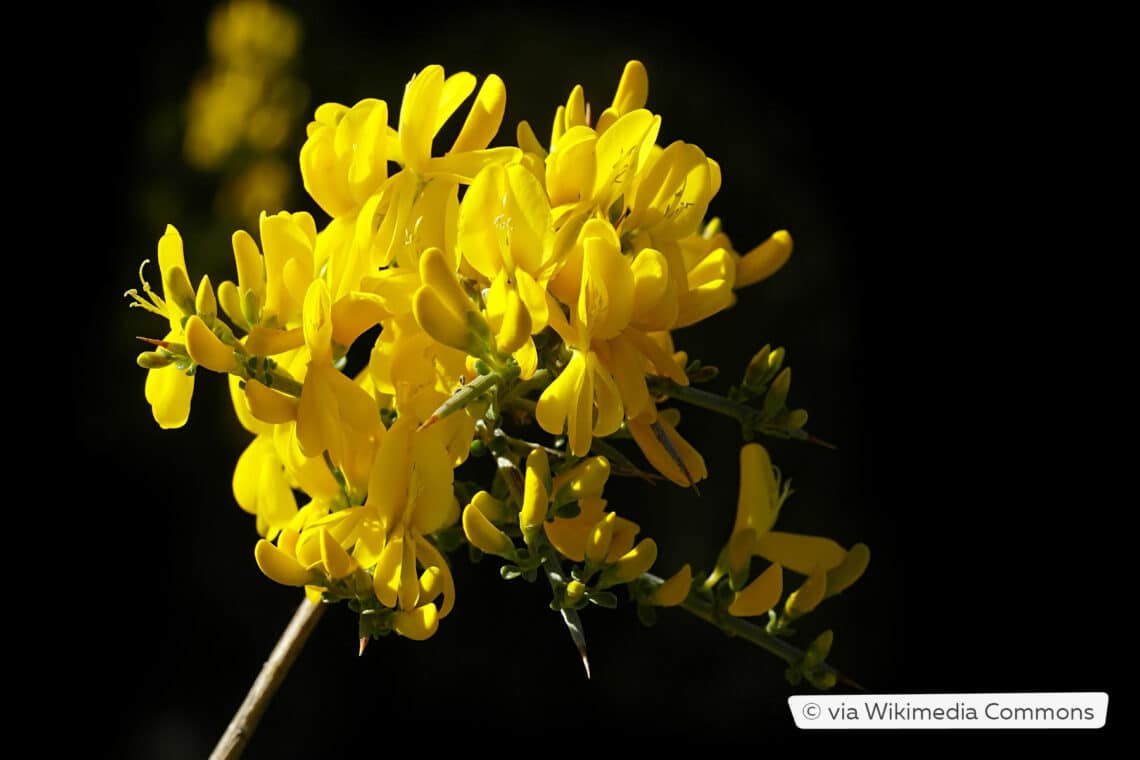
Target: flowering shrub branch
[(527, 288)]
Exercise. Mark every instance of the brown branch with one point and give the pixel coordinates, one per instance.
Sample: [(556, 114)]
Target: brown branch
[(273, 672)]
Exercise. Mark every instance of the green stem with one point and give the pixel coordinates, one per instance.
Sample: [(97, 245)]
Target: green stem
[(663, 386), (468, 393), (750, 419), (538, 381), (750, 632)]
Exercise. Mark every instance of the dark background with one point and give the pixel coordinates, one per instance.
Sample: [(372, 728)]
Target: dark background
[(936, 314)]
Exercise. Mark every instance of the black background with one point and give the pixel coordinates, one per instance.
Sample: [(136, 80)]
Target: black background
[(936, 314)]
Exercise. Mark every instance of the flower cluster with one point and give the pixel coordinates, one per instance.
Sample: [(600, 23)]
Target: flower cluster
[(513, 287), (245, 105)]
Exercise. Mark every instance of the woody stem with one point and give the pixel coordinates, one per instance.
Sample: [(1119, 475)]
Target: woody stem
[(273, 672)]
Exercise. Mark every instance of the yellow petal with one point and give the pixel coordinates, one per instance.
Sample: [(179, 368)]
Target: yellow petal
[(527, 358), (418, 624), (629, 375), (431, 584), (757, 504), (247, 472), (839, 578), (250, 269), (431, 482), (605, 301), (598, 542), (633, 89), (579, 419), (585, 480), (318, 322), (759, 596), (266, 341), (625, 531), (206, 302), (800, 554), (279, 566), (535, 495), (388, 483), (764, 260), (436, 273), (172, 264), (526, 140), (515, 328), (430, 557), (336, 561), (437, 320), (354, 314), (168, 391), (388, 572), (650, 279), (268, 405), (607, 397), (317, 419), (484, 536), (207, 349), (409, 592), (808, 596), (635, 562), (673, 591), (668, 452), (485, 116), (230, 300), (555, 402), (739, 555)]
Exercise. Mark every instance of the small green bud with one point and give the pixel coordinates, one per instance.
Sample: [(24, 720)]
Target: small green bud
[(777, 393), (703, 374), (822, 644), (251, 307), (206, 303), (757, 367), (177, 286), (153, 360)]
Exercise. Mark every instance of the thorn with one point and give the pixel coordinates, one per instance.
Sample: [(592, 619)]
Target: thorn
[(428, 422), (153, 342), (363, 644), (574, 624), (819, 442)]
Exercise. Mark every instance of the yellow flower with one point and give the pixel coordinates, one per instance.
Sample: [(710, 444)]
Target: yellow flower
[(444, 310), (261, 486), (345, 157), (331, 404), (270, 291), (571, 536), (169, 387), (758, 507), (505, 234), (675, 590), (430, 99), (667, 451)]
